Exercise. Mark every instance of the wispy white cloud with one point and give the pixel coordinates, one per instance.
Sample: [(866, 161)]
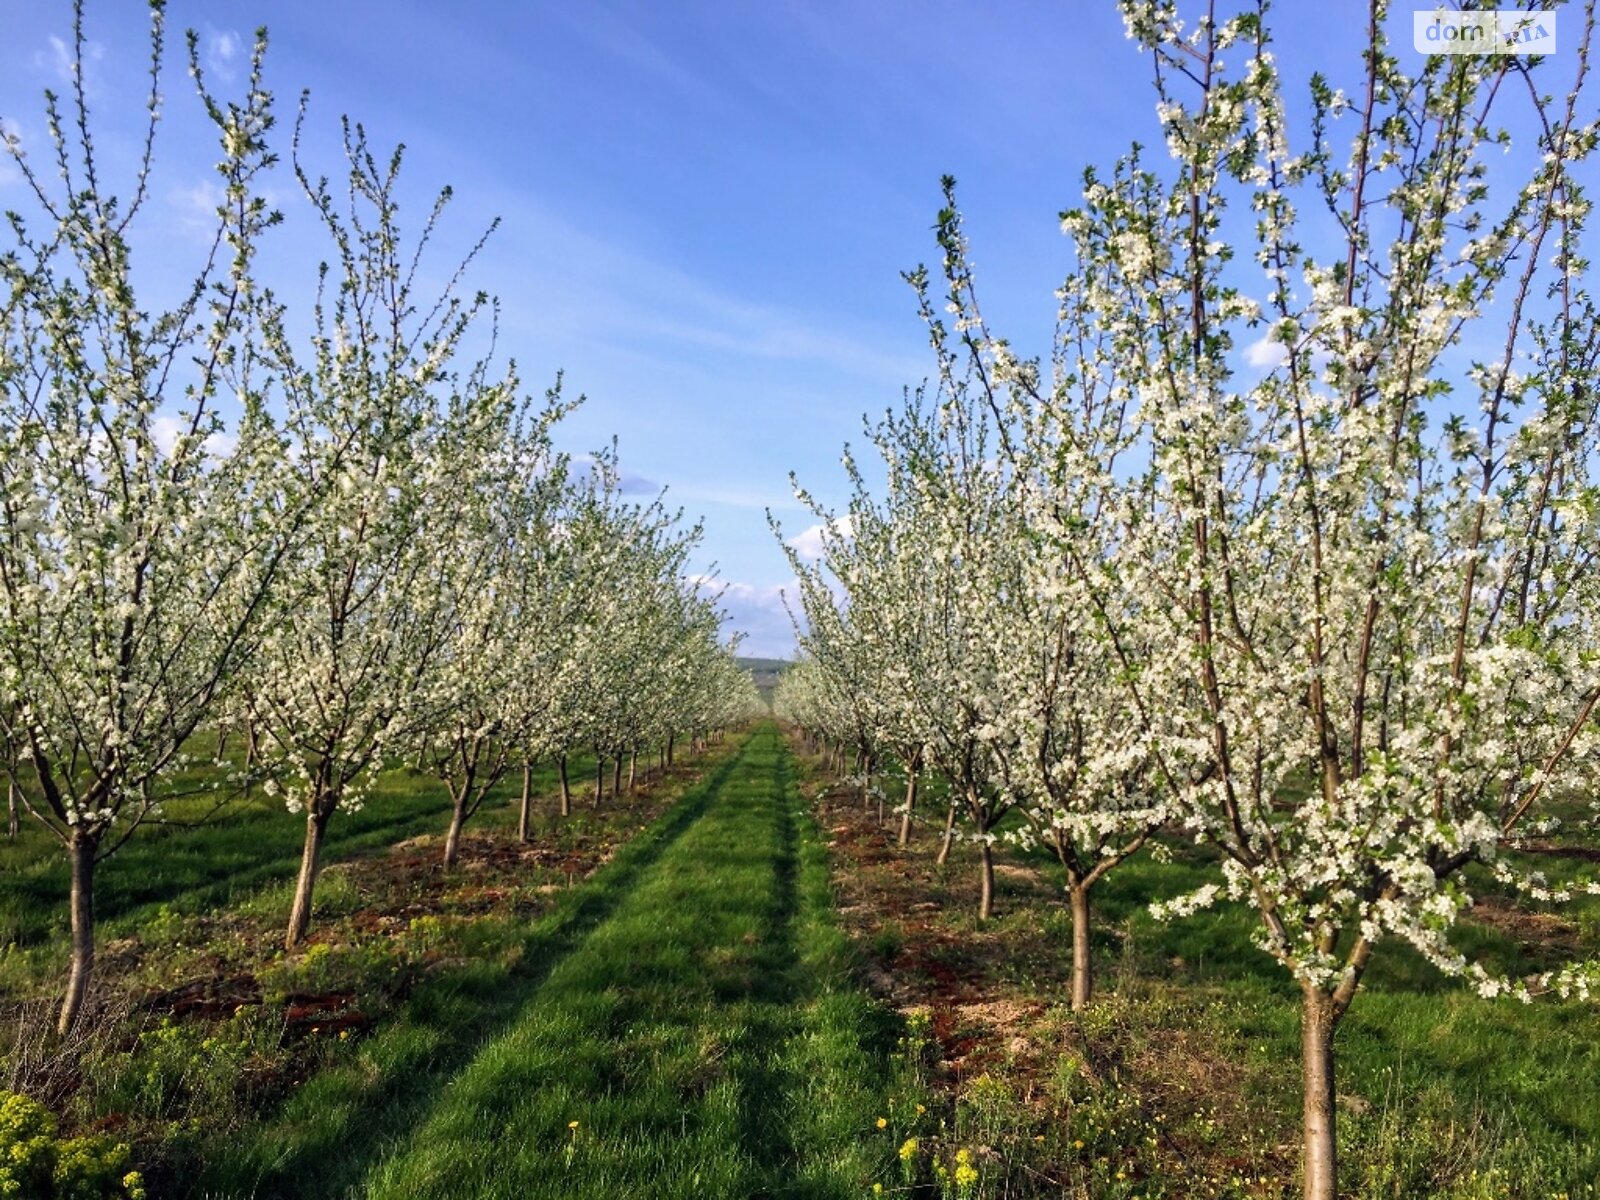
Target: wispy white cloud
[(166, 430), (614, 294), (58, 60), (810, 543), (223, 49), (1266, 352), (196, 206), (757, 611), (623, 40)]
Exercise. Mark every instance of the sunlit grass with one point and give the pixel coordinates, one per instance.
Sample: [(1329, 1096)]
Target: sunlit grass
[(704, 1040), (206, 857), (347, 1117), (1183, 1079)]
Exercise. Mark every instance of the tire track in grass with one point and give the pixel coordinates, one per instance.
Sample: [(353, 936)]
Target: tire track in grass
[(330, 1133), (705, 1039)]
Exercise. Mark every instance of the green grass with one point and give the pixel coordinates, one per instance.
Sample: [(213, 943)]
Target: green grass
[(747, 1010), (250, 844), (691, 1006), (704, 1036), (344, 1119), (1420, 1048), (1184, 1076)]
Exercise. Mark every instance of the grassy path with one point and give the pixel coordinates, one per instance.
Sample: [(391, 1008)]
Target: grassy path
[(346, 1118), (702, 1040)]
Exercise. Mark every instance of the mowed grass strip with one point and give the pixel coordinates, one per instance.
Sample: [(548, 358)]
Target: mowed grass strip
[(705, 1040), (328, 1135)]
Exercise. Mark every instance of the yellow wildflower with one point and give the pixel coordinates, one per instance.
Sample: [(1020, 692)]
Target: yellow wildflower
[(965, 1174), (883, 1122), (908, 1150)]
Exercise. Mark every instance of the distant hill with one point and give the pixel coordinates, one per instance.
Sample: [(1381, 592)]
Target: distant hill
[(765, 671)]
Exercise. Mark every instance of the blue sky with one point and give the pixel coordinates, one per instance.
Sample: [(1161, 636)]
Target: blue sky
[(705, 207)]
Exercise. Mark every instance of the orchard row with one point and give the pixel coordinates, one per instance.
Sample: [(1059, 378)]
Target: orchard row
[(340, 530), (1288, 548)]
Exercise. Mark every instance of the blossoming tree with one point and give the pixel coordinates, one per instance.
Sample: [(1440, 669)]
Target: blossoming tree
[(918, 572), (395, 439), (1363, 573), (511, 598), (140, 539)]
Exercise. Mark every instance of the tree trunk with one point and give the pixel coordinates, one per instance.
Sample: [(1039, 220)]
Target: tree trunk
[(1082, 966), (616, 775), (310, 858), (949, 835), (458, 818), (566, 788), (669, 749), (1319, 1157), (911, 803), (80, 852), (633, 768), (986, 880), (599, 778), (249, 756), (13, 821), (525, 812)]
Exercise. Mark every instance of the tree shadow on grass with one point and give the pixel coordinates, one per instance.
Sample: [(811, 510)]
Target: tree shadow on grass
[(341, 1123), (778, 1123)]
